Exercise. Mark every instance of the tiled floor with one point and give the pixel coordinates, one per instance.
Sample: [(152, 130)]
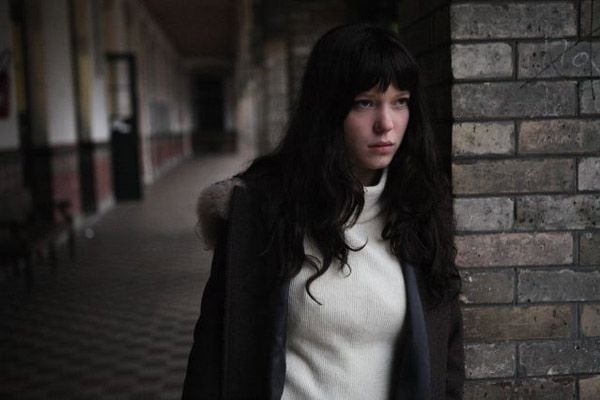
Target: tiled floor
[(116, 322)]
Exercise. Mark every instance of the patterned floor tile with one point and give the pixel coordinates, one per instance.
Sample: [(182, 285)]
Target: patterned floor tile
[(115, 323)]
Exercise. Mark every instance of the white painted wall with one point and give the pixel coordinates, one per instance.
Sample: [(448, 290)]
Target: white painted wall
[(229, 100), (100, 128), (247, 117), (9, 133), (248, 82), (60, 99)]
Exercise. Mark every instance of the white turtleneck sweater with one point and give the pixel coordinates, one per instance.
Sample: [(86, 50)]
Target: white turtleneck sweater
[(343, 349)]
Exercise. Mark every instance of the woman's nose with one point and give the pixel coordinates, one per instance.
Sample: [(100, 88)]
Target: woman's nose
[(384, 121)]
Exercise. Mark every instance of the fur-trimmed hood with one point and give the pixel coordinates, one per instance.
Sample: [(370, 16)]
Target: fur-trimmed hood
[(212, 209)]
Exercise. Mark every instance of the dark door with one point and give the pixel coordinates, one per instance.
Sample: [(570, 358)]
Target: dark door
[(124, 126)]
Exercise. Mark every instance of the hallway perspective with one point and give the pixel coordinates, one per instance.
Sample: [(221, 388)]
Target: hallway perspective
[(117, 321)]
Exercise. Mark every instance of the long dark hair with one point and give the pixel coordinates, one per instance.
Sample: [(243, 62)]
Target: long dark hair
[(317, 196)]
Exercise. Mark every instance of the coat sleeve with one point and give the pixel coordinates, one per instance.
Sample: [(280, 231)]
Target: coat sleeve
[(455, 361), (204, 372)]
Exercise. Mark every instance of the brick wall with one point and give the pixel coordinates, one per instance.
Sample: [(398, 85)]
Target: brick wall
[(526, 175)]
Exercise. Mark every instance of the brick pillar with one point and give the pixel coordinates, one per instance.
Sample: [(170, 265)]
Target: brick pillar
[(526, 176)]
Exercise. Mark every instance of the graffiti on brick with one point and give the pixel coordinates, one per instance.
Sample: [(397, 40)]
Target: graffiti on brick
[(573, 55)]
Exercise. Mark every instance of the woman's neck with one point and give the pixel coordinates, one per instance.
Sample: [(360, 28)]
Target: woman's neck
[(369, 177)]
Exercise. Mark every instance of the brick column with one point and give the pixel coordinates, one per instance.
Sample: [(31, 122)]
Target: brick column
[(526, 176)]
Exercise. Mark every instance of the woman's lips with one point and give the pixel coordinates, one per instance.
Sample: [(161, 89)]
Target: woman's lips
[(382, 144), (382, 148)]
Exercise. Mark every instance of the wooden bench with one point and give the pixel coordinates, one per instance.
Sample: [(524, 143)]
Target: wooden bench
[(27, 235)]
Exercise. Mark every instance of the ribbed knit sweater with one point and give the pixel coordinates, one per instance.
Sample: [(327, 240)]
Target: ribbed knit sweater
[(343, 349)]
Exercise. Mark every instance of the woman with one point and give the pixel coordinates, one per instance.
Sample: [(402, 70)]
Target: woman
[(333, 273)]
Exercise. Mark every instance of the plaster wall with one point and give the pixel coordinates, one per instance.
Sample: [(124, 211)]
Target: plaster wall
[(99, 116), (92, 73), (247, 88), (9, 133), (60, 99), (99, 102)]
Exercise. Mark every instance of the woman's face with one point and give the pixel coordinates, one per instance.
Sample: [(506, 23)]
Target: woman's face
[(373, 130)]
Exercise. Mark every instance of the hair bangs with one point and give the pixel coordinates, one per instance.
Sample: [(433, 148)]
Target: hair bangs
[(383, 64)]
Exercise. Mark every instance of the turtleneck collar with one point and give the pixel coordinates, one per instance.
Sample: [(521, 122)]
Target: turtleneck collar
[(372, 207)]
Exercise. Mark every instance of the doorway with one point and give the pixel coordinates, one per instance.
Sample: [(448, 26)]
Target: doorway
[(123, 111)]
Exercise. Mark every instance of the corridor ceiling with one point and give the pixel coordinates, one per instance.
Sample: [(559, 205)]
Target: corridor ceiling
[(204, 31)]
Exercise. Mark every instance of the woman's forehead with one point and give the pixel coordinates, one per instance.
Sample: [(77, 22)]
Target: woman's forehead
[(392, 87), (383, 84)]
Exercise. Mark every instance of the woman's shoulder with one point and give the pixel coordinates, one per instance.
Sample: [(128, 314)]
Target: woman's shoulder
[(212, 209), (214, 203)]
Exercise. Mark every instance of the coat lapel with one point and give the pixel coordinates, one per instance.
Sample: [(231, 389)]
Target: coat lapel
[(278, 365), (248, 305), (412, 376)]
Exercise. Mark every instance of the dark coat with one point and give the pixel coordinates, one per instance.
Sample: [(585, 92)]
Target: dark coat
[(239, 340)]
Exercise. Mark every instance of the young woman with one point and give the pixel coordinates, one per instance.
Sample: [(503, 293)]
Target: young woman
[(333, 273)]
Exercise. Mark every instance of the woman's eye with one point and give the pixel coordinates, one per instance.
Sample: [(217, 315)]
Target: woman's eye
[(402, 101), (362, 103)]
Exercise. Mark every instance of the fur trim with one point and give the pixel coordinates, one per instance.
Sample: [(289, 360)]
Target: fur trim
[(213, 208)]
